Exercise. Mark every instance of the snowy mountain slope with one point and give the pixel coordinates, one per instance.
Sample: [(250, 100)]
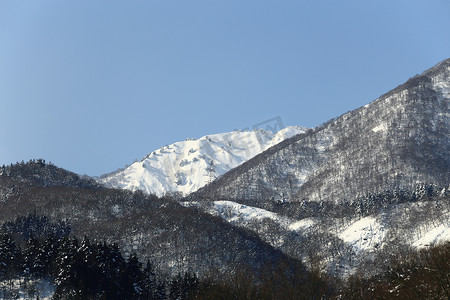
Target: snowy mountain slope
[(395, 142), (188, 165)]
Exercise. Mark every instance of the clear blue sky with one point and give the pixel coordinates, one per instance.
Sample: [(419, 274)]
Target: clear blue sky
[(93, 85)]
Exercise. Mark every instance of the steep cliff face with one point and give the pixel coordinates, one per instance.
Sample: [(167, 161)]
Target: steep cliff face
[(395, 142)]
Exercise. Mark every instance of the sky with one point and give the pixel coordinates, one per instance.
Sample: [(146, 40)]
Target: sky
[(93, 85)]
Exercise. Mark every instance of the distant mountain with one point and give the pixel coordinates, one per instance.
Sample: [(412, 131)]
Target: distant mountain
[(187, 166)]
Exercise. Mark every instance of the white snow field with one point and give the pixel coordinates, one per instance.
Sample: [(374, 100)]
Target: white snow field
[(364, 234)]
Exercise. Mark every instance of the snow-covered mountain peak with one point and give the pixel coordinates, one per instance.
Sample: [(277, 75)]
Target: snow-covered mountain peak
[(188, 165)]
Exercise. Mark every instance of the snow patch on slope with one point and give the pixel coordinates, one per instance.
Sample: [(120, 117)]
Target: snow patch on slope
[(235, 211), (301, 225), (433, 236), (364, 234), (238, 213), (381, 127)]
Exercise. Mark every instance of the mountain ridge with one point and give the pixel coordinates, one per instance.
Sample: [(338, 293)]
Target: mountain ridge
[(407, 114)]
